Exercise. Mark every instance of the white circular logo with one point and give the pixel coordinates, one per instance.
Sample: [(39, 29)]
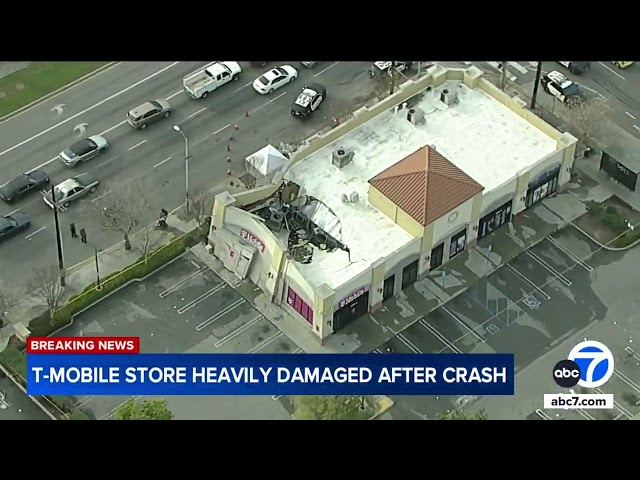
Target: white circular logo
[(453, 216), (595, 361)]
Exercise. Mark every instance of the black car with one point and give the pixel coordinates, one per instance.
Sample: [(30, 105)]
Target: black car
[(577, 68), (12, 225), (309, 100), (23, 184)]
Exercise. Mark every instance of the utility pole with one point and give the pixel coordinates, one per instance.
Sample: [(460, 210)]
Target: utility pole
[(186, 165), (503, 80), (63, 281), (536, 84)]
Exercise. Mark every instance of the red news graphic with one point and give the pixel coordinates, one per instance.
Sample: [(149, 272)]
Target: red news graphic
[(83, 345)]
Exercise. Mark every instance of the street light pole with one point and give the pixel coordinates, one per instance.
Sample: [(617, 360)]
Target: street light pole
[(56, 221), (536, 84), (95, 254), (186, 165)]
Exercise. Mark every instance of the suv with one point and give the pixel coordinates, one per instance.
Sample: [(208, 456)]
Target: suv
[(556, 84), (148, 112)]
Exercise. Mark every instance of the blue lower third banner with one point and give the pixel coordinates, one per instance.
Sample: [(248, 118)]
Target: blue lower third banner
[(270, 374)]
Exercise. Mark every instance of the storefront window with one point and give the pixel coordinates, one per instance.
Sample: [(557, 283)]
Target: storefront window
[(458, 243), (495, 219), (540, 191)]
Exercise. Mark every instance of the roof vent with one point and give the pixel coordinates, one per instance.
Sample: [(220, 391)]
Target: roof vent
[(448, 97), (353, 197), (341, 157), (415, 115)]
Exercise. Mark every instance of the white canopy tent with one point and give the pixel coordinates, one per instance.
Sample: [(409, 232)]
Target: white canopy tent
[(266, 161)]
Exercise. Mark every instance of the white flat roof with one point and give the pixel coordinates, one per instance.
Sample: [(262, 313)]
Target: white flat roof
[(482, 137)]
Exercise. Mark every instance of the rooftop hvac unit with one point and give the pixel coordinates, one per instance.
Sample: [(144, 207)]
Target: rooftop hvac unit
[(354, 197), (341, 157), (448, 97), (415, 115)]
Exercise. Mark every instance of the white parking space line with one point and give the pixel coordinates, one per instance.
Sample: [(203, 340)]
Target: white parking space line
[(464, 325), (162, 162), (570, 254), (543, 415), (408, 343), (85, 401), (220, 314), (528, 280), (630, 115), (196, 113), (621, 408), (266, 342), (100, 196), (298, 350), (102, 102), (270, 101), (194, 264), (11, 213), (612, 70), (33, 233), (174, 95), (326, 69), (377, 350), (549, 268), (447, 343), (201, 298), (138, 144), (238, 331), (221, 129), (182, 282), (632, 353), (626, 380), (585, 414)]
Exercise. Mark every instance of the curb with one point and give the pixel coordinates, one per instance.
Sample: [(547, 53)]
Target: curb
[(33, 399), (56, 92), (602, 245)]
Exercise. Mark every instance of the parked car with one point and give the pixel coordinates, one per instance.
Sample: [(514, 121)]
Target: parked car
[(23, 185), (71, 189), (556, 84), (274, 79), (13, 224), (84, 150), (149, 112), (201, 83), (623, 64), (309, 100), (577, 68)]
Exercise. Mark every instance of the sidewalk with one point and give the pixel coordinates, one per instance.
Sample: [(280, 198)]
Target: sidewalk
[(110, 260)]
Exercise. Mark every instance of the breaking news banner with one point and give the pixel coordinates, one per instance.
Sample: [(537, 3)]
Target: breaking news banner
[(98, 366)]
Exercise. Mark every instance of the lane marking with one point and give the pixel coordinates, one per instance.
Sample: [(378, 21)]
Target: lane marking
[(466, 327), (242, 87), (238, 331), (11, 213), (176, 286), (447, 343), (328, 68), (266, 342), (220, 314), (100, 196), (201, 298), (408, 343), (270, 101), (106, 162), (113, 128), (569, 253), (174, 95), (592, 90), (528, 280), (636, 127), (196, 113), (612, 71), (629, 115), (37, 231), (221, 129), (549, 268), (162, 162), (102, 102), (138, 144)]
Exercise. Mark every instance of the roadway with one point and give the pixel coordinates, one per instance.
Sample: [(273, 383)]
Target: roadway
[(34, 138)]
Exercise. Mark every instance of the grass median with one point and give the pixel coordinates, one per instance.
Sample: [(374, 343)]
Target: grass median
[(39, 79)]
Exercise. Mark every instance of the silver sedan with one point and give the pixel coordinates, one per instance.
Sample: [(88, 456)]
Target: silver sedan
[(84, 150)]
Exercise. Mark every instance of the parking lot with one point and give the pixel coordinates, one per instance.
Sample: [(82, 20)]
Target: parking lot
[(186, 308), (529, 306), (15, 404)]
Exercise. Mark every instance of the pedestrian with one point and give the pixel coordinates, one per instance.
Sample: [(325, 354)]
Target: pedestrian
[(72, 227), (83, 235)]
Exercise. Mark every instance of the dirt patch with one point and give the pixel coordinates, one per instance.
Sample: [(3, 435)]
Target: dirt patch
[(613, 223)]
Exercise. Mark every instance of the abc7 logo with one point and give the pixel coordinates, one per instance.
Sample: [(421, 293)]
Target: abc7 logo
[(590, 365)]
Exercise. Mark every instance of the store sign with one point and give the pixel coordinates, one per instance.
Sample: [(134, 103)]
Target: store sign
[(354, 296), (250, 238)]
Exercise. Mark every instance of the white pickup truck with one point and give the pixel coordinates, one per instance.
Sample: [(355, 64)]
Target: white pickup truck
[(205, 80)]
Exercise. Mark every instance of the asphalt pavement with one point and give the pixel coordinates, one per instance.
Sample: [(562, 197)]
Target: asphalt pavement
[(34, 138)]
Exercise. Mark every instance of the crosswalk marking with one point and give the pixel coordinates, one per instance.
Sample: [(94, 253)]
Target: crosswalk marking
[(519, 67)]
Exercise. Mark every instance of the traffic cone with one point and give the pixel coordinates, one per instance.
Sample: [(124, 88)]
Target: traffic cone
[(236, 127), (246, 114), (228, 147), (228, 159)]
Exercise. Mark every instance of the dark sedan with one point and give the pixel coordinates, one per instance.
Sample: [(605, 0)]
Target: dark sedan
[(23, 185), (12, 225)]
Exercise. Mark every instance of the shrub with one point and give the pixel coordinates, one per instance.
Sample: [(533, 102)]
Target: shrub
[(15, 361), (614, 222), (611, 210), (78, 414), (594, 208)]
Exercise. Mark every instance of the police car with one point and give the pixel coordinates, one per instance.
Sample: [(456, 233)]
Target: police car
[(309, 100), (381, 68), (556, 84)]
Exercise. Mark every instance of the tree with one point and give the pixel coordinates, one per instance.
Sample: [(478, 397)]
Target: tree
[(203, 210), (144, 410), (9, 296), (463, 415), (332, 407), (589, 120), (46, 288), (124, 208), (147, 240)]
